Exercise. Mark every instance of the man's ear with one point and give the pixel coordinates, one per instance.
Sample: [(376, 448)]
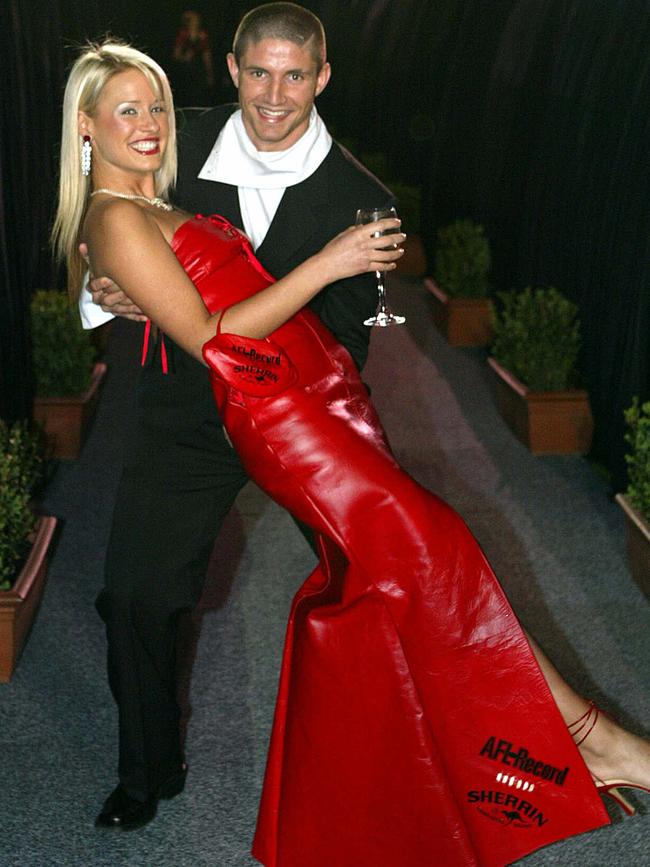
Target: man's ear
[(322, 78), (233, 69)]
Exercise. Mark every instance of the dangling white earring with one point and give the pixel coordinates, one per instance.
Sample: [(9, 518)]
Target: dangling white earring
[(86, 155)]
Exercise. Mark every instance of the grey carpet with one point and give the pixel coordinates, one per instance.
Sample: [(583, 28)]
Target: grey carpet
[(547, 525)]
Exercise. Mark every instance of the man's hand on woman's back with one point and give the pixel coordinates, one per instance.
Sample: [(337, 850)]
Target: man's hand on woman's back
[(108, 295)]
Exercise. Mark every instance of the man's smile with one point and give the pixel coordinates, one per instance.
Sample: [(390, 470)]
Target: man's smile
[(272, 114)]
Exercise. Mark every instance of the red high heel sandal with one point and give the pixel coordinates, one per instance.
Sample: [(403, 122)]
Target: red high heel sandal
[(606, 787)]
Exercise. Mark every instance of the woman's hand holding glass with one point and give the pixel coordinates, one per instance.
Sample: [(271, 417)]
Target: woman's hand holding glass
[(360, 249)]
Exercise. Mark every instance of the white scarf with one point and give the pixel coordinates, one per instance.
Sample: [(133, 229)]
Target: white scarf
[(262, 176)]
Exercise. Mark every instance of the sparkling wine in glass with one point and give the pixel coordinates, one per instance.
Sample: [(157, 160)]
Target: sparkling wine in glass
[(384, 315)]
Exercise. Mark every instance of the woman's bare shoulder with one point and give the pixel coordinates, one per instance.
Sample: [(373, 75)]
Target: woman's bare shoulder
[(117, 230), (118, 216)]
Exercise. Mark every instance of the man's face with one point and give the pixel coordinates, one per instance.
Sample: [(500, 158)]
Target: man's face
[(277, 82)]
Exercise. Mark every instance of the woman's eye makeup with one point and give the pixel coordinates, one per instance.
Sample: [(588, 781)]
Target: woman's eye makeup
[(157, 108)]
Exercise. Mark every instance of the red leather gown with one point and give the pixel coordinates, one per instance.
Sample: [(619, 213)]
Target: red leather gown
[(413, 726)]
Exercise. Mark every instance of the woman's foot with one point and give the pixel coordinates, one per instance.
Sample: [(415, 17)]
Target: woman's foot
[(615, 757)]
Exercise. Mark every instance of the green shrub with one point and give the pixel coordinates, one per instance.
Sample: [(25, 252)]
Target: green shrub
[(62, 352), (537, 337), (20, 470), (637, 417), (463, 260)]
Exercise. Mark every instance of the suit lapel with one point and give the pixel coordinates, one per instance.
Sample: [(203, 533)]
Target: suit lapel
[(296, 222), (196, 136), (226, 202)]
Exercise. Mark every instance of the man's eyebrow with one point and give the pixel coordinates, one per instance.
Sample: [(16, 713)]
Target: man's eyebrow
[(299, 70)]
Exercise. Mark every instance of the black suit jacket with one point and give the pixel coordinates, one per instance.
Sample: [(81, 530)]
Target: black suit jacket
[(310, 214)]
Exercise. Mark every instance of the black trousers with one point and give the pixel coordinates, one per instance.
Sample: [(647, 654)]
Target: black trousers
[(180, 479)]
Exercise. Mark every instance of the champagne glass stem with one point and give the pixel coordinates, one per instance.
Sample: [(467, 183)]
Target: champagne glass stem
[(381, 290)]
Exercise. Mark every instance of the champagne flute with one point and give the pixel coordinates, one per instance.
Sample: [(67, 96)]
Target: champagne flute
[(384, 315)]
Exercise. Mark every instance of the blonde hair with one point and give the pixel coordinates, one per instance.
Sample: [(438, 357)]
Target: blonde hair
[(89, 75)]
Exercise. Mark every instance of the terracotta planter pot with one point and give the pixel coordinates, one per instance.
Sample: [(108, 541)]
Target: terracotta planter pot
[(547, 422), (637, 536), (19, 605), (66, 420), (414, 261), (462, 321)]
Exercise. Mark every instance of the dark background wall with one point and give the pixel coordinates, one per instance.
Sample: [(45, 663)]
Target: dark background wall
[(530, 116)]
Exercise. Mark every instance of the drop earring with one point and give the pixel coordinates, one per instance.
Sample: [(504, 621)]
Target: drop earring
[(86, 155)]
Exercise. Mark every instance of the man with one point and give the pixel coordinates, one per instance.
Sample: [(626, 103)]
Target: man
[(274, 170)]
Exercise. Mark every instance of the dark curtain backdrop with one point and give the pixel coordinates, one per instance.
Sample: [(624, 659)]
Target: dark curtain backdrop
[(37, 39), (530, 116)]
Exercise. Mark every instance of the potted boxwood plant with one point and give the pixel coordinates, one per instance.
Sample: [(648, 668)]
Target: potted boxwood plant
[(459, 291), (24, 540), (67, 378), (635, 502), (534, 352)]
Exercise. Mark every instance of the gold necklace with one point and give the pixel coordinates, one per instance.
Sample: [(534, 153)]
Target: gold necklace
[(156, 201)]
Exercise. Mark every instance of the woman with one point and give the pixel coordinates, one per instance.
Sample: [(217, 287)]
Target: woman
[(415, 719)]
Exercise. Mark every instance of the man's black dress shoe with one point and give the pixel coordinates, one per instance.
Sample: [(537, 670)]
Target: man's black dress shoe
[(125, 813)]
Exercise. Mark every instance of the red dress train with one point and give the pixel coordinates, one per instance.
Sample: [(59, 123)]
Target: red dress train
[(413, 726)]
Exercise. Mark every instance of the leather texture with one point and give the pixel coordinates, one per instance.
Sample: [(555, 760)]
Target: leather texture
[(413, 726)]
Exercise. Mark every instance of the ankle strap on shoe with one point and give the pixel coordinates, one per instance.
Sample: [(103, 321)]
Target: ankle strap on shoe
[(587, 721)]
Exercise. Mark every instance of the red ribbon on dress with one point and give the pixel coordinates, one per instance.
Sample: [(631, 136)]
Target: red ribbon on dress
[(145, 348)]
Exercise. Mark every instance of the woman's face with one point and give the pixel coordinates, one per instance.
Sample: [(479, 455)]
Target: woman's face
[(129, 129)]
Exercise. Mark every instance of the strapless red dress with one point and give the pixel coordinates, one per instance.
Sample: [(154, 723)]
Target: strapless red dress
[(413, 726)]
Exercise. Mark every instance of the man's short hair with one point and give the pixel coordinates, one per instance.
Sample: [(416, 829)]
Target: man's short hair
[(281, 21)]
